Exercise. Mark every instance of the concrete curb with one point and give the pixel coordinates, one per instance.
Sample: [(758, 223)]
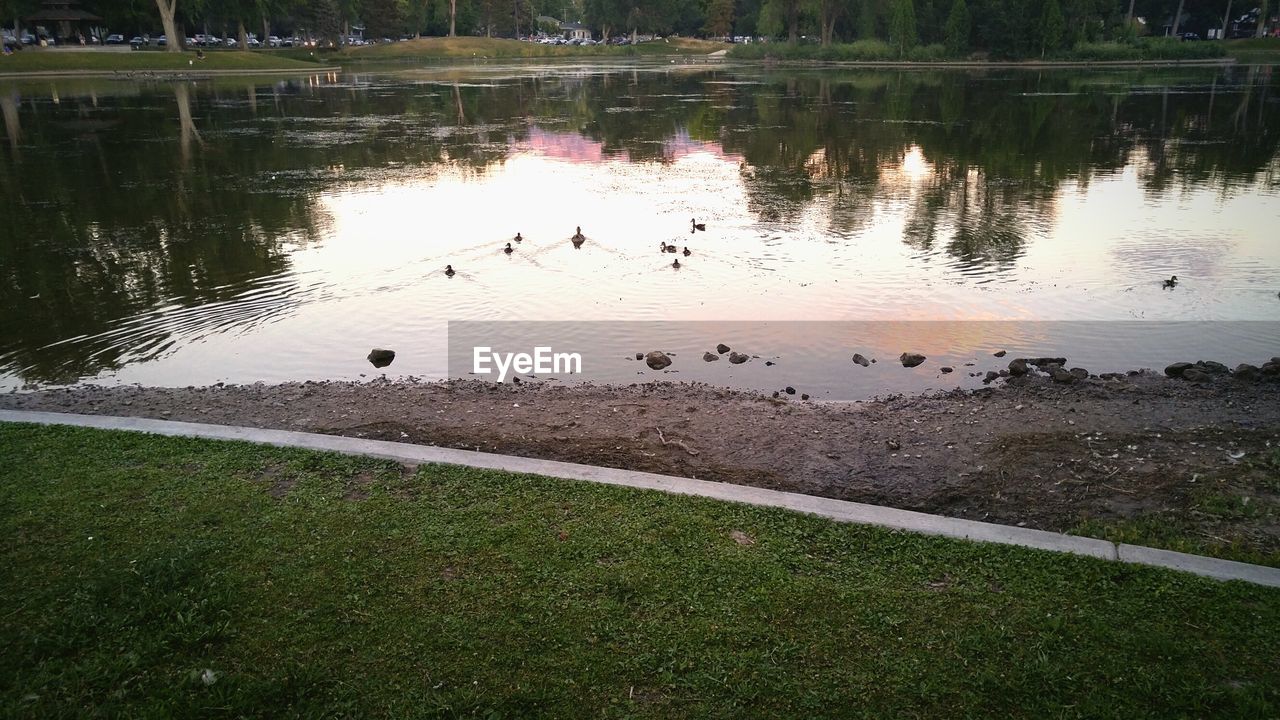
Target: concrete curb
[(838, 510)]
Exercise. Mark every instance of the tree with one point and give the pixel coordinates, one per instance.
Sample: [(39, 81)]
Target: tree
[(348, 12), (605, 14), (902, 25), (168, 8), (1262, 21), (382, 18), (791, 9), (828, 12), (719, 18), (1051, 26), (957, 33)]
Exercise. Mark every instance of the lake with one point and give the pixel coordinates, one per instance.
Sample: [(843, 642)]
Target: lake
[(242, 230)]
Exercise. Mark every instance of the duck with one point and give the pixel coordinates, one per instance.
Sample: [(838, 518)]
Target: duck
[(578, 238), (687, 252), (1171, 282), (697, 225), (448, 271), (519, 238), (508, 249), (676, 263), (663, 246)]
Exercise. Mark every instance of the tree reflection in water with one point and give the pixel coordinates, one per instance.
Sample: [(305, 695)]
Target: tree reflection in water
[(123, 200)]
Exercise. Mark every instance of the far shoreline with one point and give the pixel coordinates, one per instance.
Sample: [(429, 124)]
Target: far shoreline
[(167, 73)]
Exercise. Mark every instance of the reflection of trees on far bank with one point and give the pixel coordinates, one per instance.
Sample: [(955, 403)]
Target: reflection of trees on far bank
[(114, 208), (123, 197)]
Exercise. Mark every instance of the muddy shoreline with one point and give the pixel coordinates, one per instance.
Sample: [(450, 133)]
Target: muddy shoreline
[(1027, 451)]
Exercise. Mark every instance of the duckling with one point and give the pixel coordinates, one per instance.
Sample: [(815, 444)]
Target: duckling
[(578, 238), (687, 253), (508, 249), (676, 263), (697, 225), (448, 271), (1171, 282), (519, 238)]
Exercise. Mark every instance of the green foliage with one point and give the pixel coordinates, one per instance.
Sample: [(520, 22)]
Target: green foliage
[(1051, 27), (383, 18), (902, 26), (719, 18), (771, 22), (862, 50), (934, 52), (1147, 49), (1005, 29), (957, 33)]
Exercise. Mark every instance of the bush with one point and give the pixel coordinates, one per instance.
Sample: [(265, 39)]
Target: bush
[(878, 50), (936, 52), (1147, 49)]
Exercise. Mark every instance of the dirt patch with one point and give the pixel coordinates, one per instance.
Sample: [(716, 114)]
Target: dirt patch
[(357, 488), (1030, 452), (278, 481)]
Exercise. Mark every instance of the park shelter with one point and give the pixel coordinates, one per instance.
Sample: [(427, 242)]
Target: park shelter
[(63, 15)]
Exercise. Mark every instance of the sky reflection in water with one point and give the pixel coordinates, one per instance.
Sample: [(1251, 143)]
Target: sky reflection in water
[(194, 233)]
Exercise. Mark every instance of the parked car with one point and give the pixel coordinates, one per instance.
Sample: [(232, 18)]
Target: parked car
[(273, 41), (115, 39), (136, 42), (161, 41), (1190, 36)]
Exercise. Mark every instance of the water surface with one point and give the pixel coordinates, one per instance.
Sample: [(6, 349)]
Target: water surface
[(197, 232)]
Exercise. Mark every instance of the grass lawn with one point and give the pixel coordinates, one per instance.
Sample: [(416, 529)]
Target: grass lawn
[(1255, 50), (467, 48), (148, 576), (56, 60), (1232, 513)]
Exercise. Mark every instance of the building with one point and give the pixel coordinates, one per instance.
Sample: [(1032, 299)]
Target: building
[(63, 17), (575, 31)]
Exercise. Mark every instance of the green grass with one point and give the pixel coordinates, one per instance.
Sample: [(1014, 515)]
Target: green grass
[(1259, 50), (1231, 515), (879, 51), (314, 585), (466, 48), (55, 60), (858, 51)]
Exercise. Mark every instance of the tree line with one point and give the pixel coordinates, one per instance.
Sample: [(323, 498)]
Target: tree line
[(1003, 28)]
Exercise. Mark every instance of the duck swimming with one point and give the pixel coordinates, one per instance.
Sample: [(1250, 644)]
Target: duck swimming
[(448, 271), (518, 238), (578, 238), (508, 249), (1171, 282), (697, 225), (676, 263), (687, 253)]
